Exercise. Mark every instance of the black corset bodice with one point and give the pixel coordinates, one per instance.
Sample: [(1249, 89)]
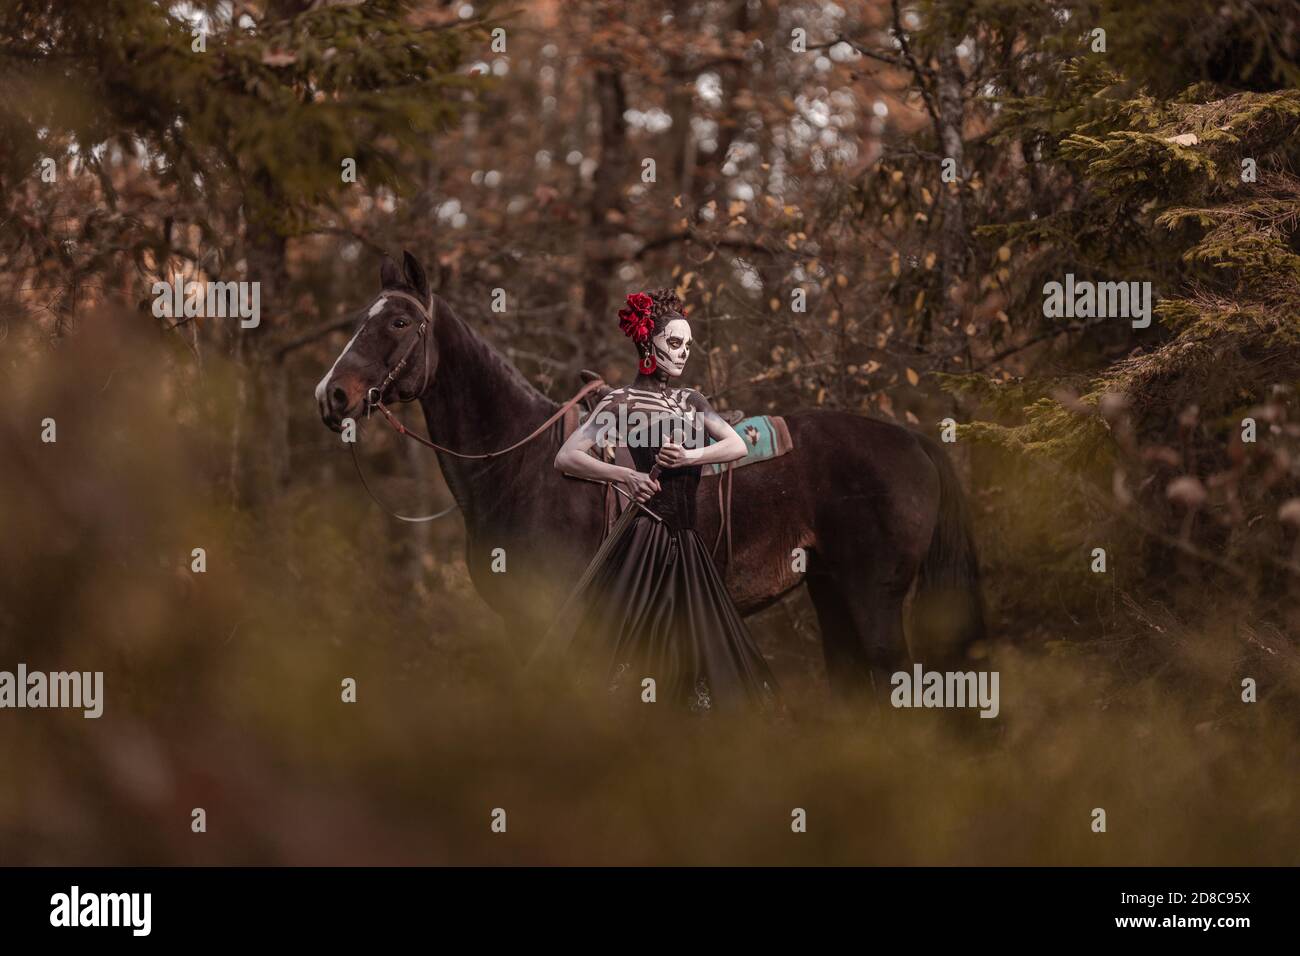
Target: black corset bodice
[(675, 501)]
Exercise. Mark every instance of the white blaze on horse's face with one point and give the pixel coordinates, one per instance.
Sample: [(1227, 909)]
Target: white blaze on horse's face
[(380, 304), (673, 347), (320, 386)]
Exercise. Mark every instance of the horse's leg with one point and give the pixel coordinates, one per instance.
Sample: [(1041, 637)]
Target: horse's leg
[(876, 610), (846, 664), (872, 572)]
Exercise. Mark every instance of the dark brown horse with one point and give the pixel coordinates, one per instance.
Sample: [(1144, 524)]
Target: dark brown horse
[(875, 507)]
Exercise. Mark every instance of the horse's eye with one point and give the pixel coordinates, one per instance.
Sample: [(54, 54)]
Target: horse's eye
[(400, 323)]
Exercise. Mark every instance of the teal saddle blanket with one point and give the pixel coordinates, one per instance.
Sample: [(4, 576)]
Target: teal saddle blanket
[(765, 437)]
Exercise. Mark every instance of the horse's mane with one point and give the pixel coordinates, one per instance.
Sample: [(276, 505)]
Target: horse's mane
[(493, 355)]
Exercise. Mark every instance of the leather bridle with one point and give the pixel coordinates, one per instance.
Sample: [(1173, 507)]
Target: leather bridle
[(375, 395), (375, 399)]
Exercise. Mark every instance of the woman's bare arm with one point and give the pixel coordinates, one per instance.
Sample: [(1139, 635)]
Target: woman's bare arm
[(727, 445), (572, 459)]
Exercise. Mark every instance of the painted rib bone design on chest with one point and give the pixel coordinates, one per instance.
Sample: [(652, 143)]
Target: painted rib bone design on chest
[(638, 418)]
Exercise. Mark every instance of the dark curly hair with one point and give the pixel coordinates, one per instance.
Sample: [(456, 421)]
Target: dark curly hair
[(667, 306)]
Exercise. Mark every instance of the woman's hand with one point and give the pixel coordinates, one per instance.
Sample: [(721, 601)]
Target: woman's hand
[(639, 485), (672, 455)]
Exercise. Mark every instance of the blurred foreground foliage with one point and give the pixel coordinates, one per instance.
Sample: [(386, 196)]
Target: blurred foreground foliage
[(223, 692)]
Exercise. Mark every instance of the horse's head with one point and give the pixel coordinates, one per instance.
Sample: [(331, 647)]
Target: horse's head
[(392, 355)]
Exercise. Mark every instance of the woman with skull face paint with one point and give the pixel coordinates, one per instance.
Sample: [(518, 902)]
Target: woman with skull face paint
[(656, 606)]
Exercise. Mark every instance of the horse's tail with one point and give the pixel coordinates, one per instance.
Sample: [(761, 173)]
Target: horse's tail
[(948, 607)]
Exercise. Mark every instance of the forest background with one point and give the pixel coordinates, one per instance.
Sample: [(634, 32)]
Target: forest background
[(861, 202)]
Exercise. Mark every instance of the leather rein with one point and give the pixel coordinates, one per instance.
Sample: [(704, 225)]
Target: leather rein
[(375, 396)]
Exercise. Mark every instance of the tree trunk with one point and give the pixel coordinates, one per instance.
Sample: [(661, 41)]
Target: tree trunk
[(606, 197), (260, 460)]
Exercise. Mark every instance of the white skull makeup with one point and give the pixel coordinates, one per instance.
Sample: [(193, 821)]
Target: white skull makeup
[(673, 347)]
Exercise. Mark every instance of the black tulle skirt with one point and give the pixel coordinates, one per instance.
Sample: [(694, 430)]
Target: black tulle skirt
[(657, 608)]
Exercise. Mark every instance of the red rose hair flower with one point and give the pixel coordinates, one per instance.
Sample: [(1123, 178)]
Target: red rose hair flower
[(635, 320)]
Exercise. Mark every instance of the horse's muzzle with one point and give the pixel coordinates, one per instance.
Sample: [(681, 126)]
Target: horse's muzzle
[(342, 397)]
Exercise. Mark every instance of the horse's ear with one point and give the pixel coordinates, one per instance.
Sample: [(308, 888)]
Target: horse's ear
[(390, 277), (415, 276)]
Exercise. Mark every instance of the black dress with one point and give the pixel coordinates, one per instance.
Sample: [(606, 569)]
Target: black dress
[(656, 607)]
